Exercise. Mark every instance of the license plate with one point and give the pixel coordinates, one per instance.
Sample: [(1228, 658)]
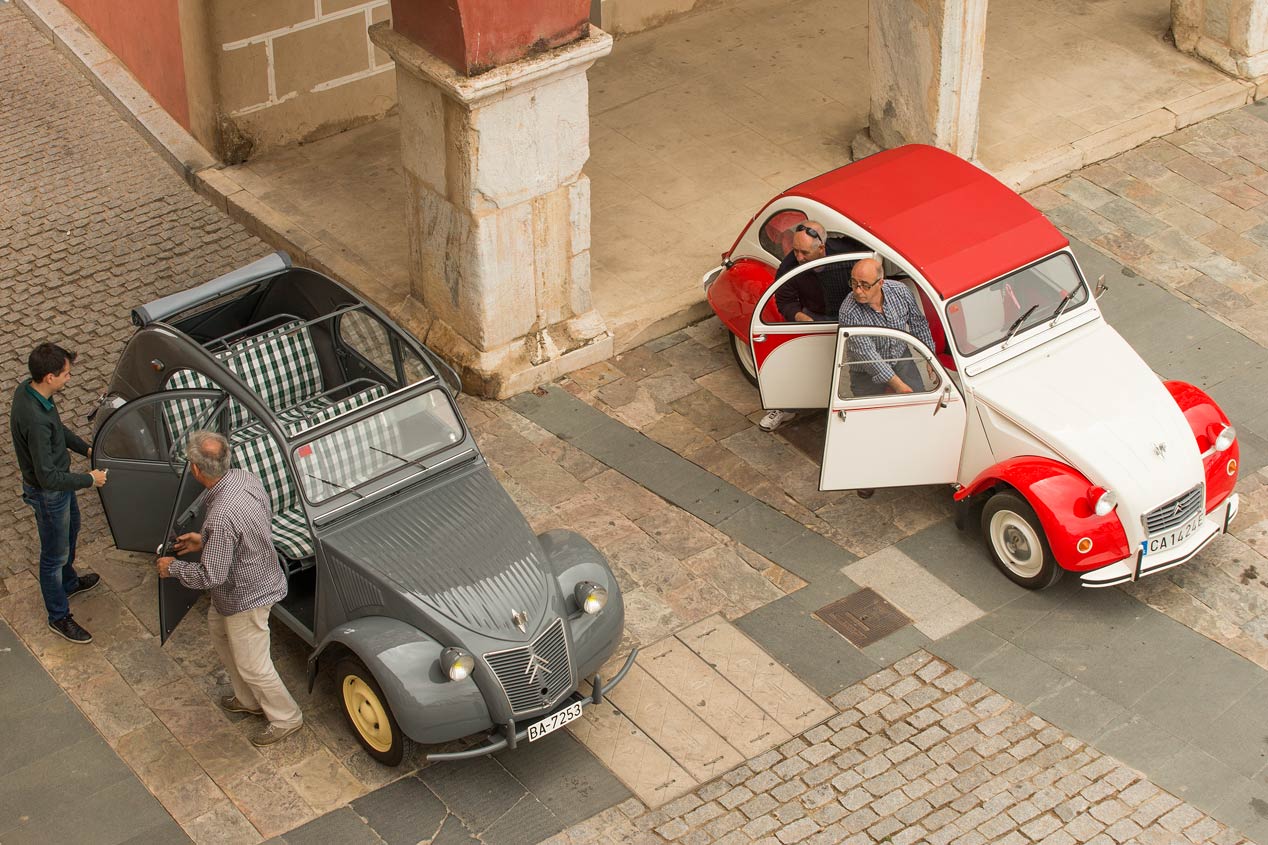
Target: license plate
[(1174, 537), (554, 721)]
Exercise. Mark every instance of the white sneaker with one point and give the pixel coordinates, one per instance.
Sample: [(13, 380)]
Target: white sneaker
[(774, 419)]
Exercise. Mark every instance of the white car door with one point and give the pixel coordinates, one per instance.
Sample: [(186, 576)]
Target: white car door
[(794, 360), (881, 438)]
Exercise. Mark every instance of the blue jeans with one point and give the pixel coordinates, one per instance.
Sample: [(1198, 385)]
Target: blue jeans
[(57, 518)]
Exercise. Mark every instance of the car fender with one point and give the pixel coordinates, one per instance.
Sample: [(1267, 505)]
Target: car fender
[(735, 293), (573, 559), (405, 662), (1206, 418), (1058, 494)]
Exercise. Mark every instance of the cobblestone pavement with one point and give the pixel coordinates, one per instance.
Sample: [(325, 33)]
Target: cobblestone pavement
[(919, 753), (91, 222)]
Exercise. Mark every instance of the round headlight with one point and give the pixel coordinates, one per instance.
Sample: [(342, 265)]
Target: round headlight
[(1103, 501), (590, 596), (457, 663), (1225, 438)]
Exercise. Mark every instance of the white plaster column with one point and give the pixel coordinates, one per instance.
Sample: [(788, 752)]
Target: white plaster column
[(499, 212), (925, 64), (1231, 34)]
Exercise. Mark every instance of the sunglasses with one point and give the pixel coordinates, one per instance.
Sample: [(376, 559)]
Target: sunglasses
[(812, 232)]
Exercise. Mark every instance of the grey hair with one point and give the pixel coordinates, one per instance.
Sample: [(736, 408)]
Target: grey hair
[(210, 452)]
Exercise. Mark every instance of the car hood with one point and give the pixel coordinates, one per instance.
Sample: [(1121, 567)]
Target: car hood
[(1090, 399), (460, 547)]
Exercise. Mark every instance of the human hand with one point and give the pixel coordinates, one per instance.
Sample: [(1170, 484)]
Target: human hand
[(188, 543), (98, 477), (803, 317), (901, 387), (165, 566)]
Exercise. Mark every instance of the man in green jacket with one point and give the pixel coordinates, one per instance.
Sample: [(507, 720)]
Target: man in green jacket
[(48, 486)]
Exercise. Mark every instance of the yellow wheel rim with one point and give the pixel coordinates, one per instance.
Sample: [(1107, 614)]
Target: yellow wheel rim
[(368, 714)]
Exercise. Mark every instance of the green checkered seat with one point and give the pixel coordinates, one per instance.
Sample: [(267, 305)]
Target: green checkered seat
[(280, 365), (255, 451)]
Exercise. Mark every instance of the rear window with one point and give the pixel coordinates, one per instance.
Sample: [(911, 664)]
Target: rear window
[(777, 232)]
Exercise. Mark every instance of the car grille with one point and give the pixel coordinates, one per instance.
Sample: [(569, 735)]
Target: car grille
[(1175, 512), (553, 679)]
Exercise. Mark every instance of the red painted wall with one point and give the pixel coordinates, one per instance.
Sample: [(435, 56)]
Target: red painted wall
[(146, 36), (476, 35)]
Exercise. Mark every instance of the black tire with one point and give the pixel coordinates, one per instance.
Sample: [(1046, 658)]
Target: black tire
[(368, 714), (744, 358), (1017, 543)]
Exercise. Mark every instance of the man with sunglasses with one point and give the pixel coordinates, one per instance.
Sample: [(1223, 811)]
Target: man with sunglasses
[(811, 296)]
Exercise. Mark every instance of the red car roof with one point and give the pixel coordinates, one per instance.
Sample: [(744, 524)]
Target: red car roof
[(956, 224)]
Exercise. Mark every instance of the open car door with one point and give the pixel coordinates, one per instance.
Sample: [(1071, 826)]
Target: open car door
[(878, 437), (794, 360), (149, 489)]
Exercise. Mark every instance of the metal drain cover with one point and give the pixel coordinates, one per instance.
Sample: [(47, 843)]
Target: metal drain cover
[(863, 617)]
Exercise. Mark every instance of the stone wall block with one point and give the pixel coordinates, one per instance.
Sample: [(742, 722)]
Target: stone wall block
[(1231, 34), (531, 142), (235, 20), (340, 44), (552, 255), (244, 77), (423, 132)]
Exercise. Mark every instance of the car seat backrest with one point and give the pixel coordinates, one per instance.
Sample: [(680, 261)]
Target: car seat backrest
[(280, 365), (255, 451)]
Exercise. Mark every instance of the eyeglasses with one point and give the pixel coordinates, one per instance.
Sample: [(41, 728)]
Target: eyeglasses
[(856, 284), (809, 230)]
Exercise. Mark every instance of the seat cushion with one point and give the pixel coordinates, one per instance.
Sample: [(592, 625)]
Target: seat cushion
[(290, 533), (280, 365)]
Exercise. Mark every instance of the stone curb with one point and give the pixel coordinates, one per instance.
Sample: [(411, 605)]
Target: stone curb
[(198, 167)]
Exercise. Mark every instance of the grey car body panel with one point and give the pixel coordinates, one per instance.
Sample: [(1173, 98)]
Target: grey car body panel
[(461, 547), (428, 707), (161, 309), (427, 559)]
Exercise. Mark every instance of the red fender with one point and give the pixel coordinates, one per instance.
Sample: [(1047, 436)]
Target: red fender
[(734, 294), (1058, 493), (1206, 419)]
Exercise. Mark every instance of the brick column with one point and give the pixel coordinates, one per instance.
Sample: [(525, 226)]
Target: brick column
[(925, 63), (1231, 34), (499, 211)]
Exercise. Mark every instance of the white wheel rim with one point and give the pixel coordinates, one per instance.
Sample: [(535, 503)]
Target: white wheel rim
[(1017, 544), (745, 354)]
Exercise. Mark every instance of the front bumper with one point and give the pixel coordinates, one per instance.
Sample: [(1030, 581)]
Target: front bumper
[(510, 735), (1139, 565)]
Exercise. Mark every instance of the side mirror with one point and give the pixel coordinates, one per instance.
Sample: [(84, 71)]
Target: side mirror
[(1101, 288)]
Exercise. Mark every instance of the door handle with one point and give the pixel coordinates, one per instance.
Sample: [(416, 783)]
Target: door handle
[(943, 400), (759, 338), (841, 414)]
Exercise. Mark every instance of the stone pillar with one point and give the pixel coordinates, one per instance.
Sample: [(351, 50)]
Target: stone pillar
[(925, 63), (499, 212), (1231, 34)]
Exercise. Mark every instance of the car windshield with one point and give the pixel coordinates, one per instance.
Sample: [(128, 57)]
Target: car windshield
[(991, 314), (401, 434)]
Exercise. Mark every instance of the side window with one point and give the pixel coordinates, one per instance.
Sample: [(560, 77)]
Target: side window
[(367, 337), (776, 233), (156, 431), (870, 363)]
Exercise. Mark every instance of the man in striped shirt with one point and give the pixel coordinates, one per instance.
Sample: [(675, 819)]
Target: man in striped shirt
[(239, 567)]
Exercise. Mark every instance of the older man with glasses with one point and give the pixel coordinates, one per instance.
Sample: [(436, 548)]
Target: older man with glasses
[(811, 296), (882, 364)]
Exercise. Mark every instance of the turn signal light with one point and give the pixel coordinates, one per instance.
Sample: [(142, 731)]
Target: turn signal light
[(1084, 545), (1231, 469)]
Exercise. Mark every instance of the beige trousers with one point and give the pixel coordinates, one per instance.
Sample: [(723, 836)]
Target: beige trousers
[(242, 642)]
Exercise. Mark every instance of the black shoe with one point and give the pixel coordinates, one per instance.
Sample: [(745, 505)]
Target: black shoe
[(86, 583), (69, 629)]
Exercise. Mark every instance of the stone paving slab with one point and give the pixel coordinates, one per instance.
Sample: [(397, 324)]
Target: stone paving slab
[(935, 609)]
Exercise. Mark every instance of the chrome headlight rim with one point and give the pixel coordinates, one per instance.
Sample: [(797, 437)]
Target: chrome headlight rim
[(590, 597), (1225, 439), (1104, 502), (457, 663)]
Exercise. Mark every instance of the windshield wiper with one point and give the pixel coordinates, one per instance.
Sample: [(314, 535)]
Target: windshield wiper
[(1012, 330), (389, 454), (1065, 300), (333, 484)]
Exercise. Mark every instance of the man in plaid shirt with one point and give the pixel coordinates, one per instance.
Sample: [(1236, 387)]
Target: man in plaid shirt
[(882, 364), (239, 567)]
